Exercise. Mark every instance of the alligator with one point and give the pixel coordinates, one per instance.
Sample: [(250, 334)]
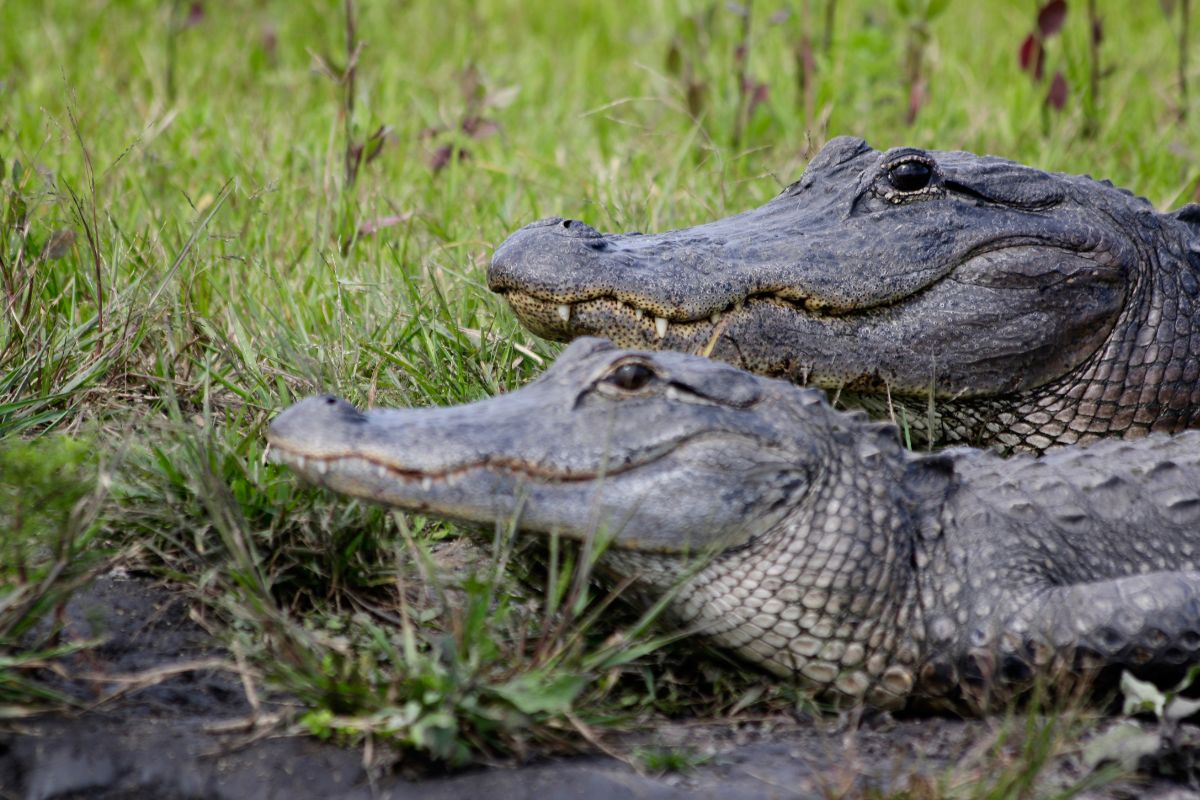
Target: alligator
[(977, 300), (806, 539)]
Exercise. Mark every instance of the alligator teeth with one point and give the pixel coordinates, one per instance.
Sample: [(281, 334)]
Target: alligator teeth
[(299, 461), (426, 483), (737, 306), (660, 327), (564, 312), (637, 312), (714, 317), (320, 466), (381, 470)]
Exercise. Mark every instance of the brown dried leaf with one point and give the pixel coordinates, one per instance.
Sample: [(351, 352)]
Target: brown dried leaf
[(479, 127), (375, 225), (758, 93), (269, 40), (697, 95), (441, 157), (674, 62), (59, 244)]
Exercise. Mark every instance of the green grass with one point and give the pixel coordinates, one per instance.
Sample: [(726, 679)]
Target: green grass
[(183, 253)]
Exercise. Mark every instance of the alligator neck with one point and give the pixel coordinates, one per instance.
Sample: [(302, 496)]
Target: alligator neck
[(1145, 378), (830, 593)]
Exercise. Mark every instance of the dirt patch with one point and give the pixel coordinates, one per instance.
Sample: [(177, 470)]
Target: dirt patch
[(162, 740)]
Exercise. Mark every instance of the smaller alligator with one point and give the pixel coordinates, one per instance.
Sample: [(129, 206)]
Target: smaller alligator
[(985, 301), (805, 539)]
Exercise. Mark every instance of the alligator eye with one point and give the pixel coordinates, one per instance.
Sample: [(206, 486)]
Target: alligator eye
[(910, 176), (631, 377)]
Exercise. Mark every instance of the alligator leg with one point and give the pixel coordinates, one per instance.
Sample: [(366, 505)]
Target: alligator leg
[(1149, 624)]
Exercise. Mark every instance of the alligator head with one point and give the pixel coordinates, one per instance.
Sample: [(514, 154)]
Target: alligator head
[(646, 442), (744, 488), (1030, 309)]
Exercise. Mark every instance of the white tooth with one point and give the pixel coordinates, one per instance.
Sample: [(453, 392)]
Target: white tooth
[(660, 326), (737, 306), (564, 312), (637, 312), (714, 317), (381, 471), (321, 467), (426, 483), (299, 461)]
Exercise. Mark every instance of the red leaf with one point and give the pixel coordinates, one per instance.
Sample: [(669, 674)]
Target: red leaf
[(1031, 55), (1051, 16), (195, 15), (916, 99), (1057, 96)]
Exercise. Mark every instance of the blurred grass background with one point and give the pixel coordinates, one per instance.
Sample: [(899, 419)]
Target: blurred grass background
[(211, 209)]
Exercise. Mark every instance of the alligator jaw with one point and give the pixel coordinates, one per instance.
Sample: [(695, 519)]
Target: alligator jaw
[(899, 348)]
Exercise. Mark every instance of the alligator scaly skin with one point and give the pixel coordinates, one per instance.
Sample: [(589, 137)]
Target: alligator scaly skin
[(803, 538)]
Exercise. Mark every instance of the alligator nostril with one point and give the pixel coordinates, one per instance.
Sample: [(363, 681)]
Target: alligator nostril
[(330, 400), (579, 230)]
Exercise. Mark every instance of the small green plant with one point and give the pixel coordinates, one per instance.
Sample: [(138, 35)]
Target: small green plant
[(677, 759), (49, 504)]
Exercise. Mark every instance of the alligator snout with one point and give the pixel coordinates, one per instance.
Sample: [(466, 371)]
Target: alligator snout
[(317, 426), (537, 253)]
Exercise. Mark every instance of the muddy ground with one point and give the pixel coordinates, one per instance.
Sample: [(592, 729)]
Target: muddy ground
[(173, 740)]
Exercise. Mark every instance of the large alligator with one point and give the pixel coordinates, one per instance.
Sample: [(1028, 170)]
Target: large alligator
[(988, 301), (805, 538)]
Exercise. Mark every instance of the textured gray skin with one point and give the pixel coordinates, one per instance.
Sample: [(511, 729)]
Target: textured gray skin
[(1036, 309), (804, 538)]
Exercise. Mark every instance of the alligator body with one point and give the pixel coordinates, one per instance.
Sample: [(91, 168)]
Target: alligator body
[(806, 539), (985, 301)]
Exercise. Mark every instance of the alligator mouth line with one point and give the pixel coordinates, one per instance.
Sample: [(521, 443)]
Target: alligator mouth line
[(321, 465), (661, 325), (290, 457)]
